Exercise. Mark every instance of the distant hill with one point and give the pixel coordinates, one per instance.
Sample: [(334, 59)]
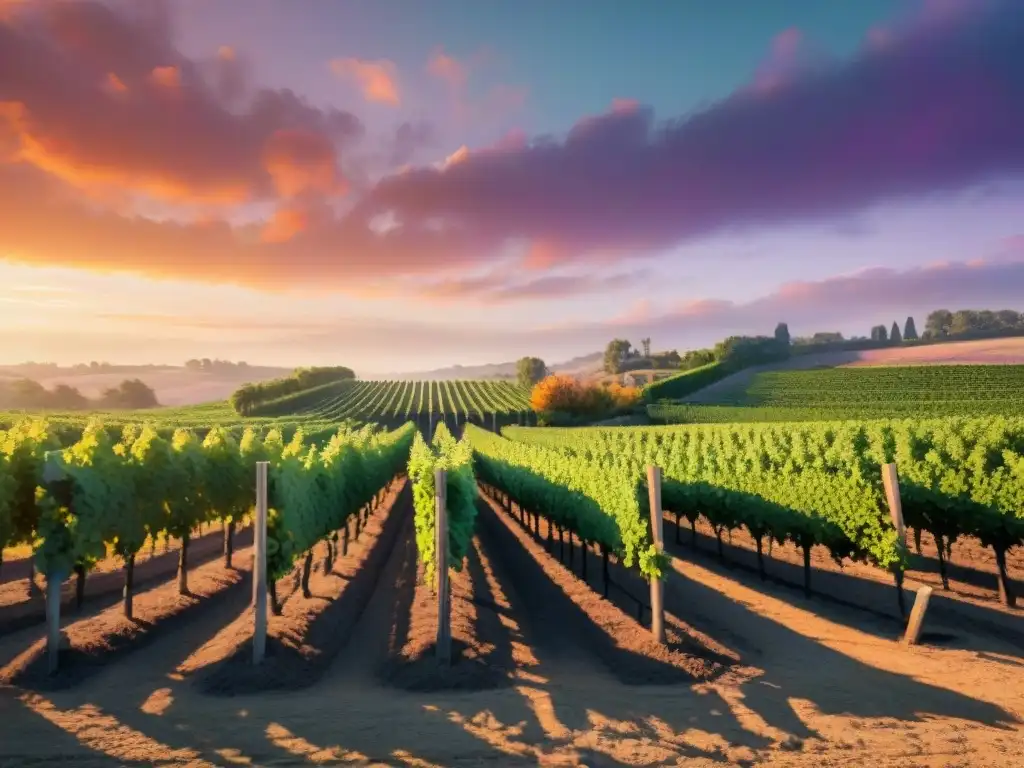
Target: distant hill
[(578, 366), (174, 385), (977, 352)]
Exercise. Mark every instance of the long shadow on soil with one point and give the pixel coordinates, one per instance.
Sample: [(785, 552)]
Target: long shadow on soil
[(32, 728), (297, 738), (287, 667), (103, 590), (549, 601), (489, 627), (78, 665), (926, 563), (405, 590), (564, 637), (484, 664), (839, 685), (876, 604)]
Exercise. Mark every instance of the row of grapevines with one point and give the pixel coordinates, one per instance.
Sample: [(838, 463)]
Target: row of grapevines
[(74, 503), (959, 476), (456, 457), (598, 501), (315, 491), (728, 480)]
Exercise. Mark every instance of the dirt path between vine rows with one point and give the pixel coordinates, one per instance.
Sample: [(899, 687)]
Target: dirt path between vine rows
[(807, 690)]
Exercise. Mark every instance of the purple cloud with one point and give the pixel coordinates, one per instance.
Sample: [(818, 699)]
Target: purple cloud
[(929, 107)]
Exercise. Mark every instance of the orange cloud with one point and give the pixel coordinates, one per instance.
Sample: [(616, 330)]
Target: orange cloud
[(285, 224), (97, 115), (76, 160), (115, 84), (542, 254), (378, 80), (166, 77), (302, 161)]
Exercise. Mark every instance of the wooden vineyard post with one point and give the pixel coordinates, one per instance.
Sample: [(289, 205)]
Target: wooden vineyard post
[(657, 585), (53, 474), (259, 566), (913, 633), (891, 482), (444, 617), (494, 422), (53, 582)]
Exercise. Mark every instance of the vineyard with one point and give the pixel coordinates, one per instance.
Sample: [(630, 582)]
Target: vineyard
[(820, 485), (541, 594), (67, 427), (855, 393), (394, 402)]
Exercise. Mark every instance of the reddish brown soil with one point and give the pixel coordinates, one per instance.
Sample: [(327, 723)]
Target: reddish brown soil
[(867, 587), (22, 606), (625, 646), (480, 656), (108, 635), (814, 685), (305, 638)]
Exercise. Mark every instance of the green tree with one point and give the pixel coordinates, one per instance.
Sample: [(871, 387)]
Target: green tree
[(894, 334), (878, 333), (530, 370), (27, 393), (782, 336), (132, 393), (1009, 318), (67, 398), (616, 351), (938, 323), (909, 330)]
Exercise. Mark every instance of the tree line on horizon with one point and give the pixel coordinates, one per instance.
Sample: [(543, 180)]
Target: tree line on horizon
[(247, 398), (29, 394)]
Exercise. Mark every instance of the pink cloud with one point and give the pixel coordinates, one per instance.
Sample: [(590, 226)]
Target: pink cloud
[(378, 80)]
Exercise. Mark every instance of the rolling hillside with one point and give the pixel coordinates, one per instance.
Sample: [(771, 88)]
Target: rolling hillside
[(174, 386), (983, 352)]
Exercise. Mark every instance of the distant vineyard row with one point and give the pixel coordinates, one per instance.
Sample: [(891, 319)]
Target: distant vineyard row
[(689, 413), (403, 400), (856, 394), (68, 426)]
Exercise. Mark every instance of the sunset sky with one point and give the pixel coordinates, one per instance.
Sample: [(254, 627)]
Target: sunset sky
[(398, 185)]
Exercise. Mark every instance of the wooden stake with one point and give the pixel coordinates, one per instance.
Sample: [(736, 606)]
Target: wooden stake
[(657, 534), (913, 633), (53, 582), (891, 481), (259, 566), (444, 616), (53, 474)]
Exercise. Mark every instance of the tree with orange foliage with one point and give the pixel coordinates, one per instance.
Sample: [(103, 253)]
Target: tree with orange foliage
[(624, 397), (564, 394), (556, 393)]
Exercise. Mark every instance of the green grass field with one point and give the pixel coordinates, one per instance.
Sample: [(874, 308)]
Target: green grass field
[(858, 393)]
